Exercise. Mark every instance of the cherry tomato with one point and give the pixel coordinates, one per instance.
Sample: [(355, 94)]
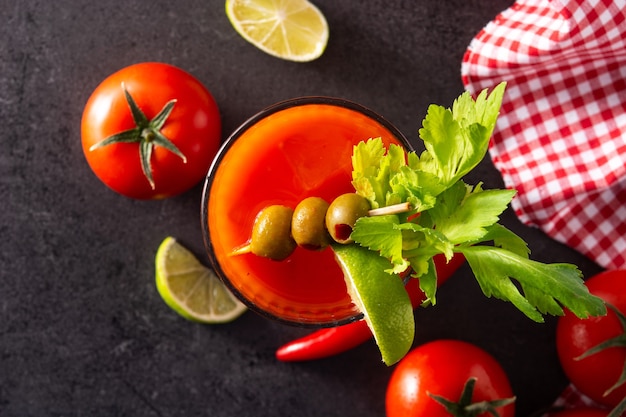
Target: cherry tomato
[(191, 131), (580, 412), (596, 373), (442, 368)]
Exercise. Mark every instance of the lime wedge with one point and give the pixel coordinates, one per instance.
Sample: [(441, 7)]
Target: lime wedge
[(190, 288), (294, 30), (381, 297)]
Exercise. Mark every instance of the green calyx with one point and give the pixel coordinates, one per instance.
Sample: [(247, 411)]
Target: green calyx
[(146, 133), (618, 341), (465, 408)]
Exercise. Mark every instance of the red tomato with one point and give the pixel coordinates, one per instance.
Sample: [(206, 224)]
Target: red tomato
[(596, 373), (193, 127), (442, 368), (580, 412)]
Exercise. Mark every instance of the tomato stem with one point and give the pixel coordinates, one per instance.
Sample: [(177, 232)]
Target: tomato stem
[(465, 408), (619, 409), (617, 341), (146, 133)]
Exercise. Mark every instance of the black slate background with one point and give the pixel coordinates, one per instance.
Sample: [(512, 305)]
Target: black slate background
[(83, 331)]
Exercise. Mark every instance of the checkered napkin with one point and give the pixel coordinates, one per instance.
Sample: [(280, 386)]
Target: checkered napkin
[(572, 398), (561, 135)]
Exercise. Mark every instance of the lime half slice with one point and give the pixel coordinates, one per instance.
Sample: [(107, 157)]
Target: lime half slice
[(294, 30), (382, 299), (190, 288)]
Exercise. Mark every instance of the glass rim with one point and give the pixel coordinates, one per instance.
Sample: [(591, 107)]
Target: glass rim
[(223, 150)]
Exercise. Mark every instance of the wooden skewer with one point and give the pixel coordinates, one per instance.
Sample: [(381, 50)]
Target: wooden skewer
[(393, 209), (240, 250)]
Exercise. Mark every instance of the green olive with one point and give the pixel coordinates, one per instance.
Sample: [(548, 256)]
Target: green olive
[(308, 224), (343, 213), (271, 233)]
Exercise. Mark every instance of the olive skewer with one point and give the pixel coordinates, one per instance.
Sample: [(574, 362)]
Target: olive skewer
[(312, 225)]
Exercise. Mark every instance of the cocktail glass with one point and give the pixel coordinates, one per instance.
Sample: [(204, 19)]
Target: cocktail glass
[(292, 150)]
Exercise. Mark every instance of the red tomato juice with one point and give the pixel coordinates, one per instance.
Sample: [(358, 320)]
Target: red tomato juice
[(289, 153)]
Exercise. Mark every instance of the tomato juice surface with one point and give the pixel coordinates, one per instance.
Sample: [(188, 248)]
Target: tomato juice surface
[(288, 152)]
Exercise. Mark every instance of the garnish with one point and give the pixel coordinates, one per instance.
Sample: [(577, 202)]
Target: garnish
[(382, 298), (450, 216), (408, 208)]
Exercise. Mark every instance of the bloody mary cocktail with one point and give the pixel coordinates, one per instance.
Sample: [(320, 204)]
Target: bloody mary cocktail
[(290, 151)]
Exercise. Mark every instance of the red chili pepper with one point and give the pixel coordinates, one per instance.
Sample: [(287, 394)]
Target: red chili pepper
[(334, 340)]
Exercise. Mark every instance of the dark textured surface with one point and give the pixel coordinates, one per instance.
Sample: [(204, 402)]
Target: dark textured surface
[(82, 328)]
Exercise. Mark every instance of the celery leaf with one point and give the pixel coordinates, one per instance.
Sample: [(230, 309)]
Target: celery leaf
[(544, 288)]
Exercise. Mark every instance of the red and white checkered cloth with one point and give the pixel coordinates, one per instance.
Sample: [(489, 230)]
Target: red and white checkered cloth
[(572, 398), (561, 135)]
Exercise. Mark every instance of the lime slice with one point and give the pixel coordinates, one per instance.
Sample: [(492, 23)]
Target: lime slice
[(294, 30), (190, 288), (382, 299)]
